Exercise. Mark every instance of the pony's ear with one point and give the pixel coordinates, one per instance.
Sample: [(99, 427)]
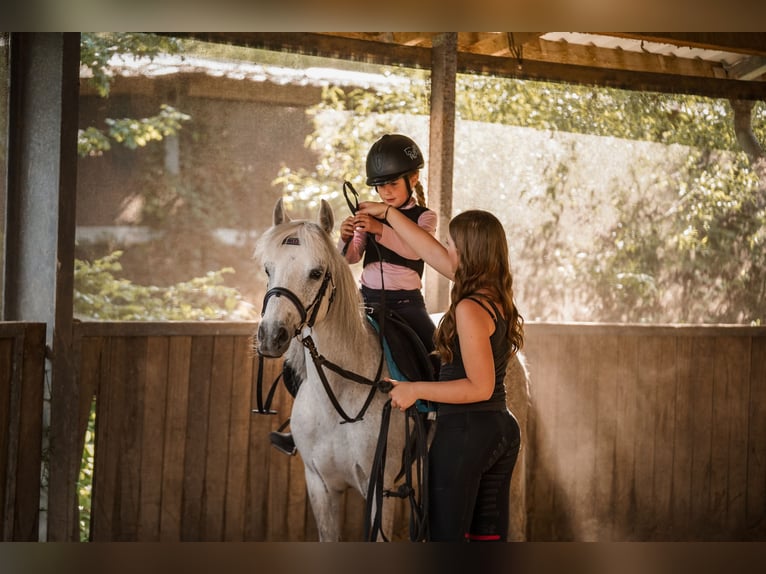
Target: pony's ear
[(326, 217), (280, 216)]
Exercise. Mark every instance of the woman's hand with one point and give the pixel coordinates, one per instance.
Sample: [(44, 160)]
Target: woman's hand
[(403, 394), (374, 208), (367, 223)]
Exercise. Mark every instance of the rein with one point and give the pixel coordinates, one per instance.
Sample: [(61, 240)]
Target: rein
[(415, 453), (303, 332)]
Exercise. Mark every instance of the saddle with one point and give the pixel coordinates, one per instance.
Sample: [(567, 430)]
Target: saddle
[(406, 356)]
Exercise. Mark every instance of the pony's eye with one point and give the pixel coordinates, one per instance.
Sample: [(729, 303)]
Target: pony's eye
[(315, 274)]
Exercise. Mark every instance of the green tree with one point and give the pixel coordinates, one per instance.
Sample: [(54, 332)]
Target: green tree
[(96, 52), (686, 247)]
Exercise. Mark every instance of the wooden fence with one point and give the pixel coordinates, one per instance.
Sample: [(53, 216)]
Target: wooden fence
[(22, 372), (179, 455), (633, 433), (647, 433)]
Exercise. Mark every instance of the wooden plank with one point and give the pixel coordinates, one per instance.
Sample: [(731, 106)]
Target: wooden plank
[(518, 401), (165, 328), (129, 372), (26, 520), (683, 441), (565, 513), (279, 475), (257, 523), (7, 436), (196, 438), (118, 420), (14, 443), (604, 351), (563, 52), (105, 464), (217, 454), (586, 361), (756, 443), (734, 356), (663, 356), (239, 433), (702, 408), (745, 42), (645, 380), (545, 375), (628, 425), (153, 439), (179, 362), (540, 329), (719, 442)]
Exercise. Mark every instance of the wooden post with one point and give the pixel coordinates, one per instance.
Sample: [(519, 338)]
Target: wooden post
[(39, 282), (441, 155)]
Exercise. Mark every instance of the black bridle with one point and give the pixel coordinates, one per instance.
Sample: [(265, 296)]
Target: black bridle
[(313, 308), (303, 332)]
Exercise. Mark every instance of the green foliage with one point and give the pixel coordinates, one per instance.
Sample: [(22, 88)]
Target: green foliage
[(663, 118), (346, 125), (686, 247), (85, 479), (97, 49), (130, 132), (101, 295)]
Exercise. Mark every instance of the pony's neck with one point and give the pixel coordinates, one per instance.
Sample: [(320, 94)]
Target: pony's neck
[(345, 337)]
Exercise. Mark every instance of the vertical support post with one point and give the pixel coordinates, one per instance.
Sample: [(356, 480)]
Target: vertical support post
[(441, 155), (39, 282)]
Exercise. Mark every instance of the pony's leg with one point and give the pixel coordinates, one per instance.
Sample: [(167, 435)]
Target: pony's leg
[(325, 504)]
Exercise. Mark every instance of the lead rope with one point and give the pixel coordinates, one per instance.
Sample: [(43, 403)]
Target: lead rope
[(417, 497), (375, 491)]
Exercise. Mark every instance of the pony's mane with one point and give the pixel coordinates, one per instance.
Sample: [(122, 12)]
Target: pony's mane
[(347, 308)]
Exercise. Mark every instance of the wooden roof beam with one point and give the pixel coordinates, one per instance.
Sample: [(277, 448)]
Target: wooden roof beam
[(751, 68), (739, 42)]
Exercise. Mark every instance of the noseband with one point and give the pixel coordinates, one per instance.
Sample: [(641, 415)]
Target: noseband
[(308, 314)]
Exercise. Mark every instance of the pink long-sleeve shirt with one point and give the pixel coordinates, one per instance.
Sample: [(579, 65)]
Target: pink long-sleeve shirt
[(396, 277)]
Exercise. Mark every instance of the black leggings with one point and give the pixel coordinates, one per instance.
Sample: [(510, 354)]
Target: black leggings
[(471, 461), (410, 306)]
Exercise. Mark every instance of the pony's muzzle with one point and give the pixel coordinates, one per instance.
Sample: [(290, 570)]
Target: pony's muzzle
[(273, 340)]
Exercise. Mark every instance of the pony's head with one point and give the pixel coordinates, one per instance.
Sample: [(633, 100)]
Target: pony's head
[(304, 270)]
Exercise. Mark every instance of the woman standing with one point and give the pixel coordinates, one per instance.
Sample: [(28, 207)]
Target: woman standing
[(477, 439)]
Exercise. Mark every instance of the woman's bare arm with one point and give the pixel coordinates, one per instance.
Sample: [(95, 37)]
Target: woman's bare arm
[(423, 243)]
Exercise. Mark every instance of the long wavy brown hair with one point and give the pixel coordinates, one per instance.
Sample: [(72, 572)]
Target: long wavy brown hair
[(483, 265)]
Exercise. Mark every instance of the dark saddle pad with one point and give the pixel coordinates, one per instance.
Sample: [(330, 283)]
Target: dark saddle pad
[(402, 346)]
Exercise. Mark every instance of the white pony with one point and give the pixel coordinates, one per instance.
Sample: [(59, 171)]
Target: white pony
[(312, 308), (312, 293)]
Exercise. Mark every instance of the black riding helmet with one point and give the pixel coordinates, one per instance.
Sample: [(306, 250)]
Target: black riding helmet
[(391, 157)]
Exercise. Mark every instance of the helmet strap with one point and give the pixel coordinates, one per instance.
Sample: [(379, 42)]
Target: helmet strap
[(409, 187)]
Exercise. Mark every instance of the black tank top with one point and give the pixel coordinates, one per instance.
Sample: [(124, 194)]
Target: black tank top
[(501, 353)]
